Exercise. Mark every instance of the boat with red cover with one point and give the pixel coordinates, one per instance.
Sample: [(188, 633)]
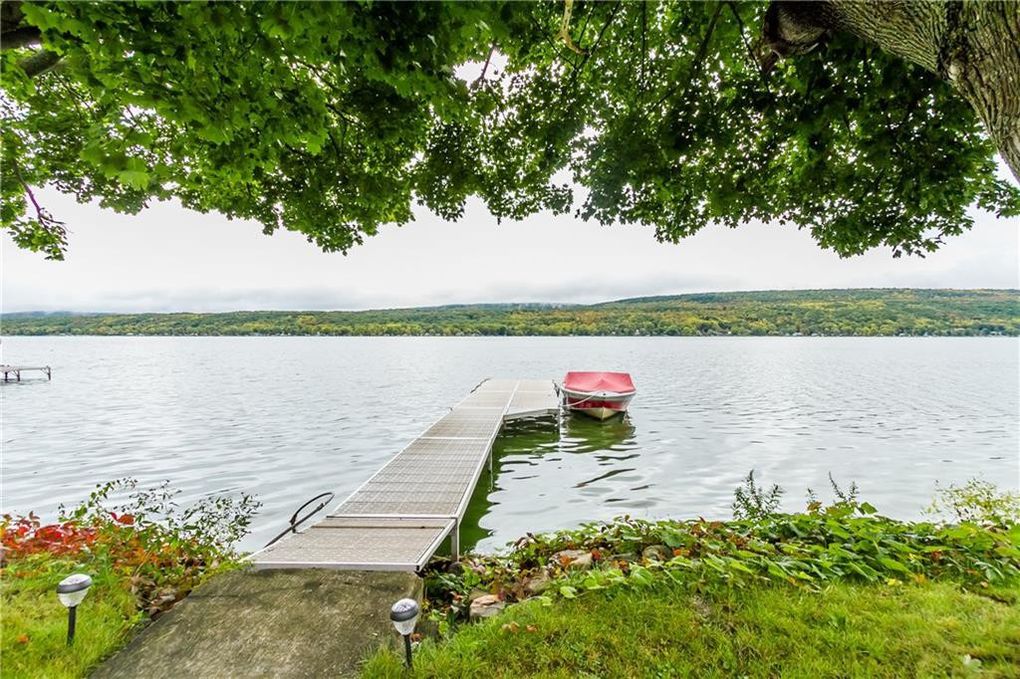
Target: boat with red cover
[(598, 394)]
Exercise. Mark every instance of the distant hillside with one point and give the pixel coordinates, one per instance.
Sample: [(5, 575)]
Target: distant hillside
[(800, 312)]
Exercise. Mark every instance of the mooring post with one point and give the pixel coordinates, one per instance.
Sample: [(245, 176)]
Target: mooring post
[(455, 540)]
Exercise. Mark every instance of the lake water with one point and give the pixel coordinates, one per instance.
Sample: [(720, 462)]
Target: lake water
[(290, 417)]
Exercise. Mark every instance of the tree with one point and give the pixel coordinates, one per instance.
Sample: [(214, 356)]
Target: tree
[(332, 118)]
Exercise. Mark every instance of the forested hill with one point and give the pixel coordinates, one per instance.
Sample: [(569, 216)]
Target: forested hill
[(803, 312)]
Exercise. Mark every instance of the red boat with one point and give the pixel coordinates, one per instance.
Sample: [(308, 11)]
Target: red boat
[(599, 394)]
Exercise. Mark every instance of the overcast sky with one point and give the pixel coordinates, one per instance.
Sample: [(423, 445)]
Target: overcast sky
[(171, 259)]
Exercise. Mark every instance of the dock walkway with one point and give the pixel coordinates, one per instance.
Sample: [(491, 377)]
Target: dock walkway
[(16, 370), (399, 517)]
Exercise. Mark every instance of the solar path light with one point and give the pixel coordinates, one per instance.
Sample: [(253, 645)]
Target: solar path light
[(71, 591), (404, 615)]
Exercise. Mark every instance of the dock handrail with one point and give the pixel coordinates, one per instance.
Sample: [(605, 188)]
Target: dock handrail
[(294, 523)]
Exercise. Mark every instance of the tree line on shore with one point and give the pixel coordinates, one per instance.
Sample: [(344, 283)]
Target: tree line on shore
[(808, 312)]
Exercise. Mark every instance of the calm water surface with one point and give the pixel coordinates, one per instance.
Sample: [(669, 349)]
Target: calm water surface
[(287, 418)]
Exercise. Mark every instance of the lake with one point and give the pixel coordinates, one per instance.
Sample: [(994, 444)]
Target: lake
[(289, 417)]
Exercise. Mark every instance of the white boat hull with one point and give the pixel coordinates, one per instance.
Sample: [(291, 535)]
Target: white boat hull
[(600, 405)]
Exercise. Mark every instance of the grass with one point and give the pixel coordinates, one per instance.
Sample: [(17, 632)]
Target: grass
[(33, 623), (845, 630)]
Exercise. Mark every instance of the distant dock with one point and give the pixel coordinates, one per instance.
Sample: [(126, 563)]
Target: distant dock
[(399, 517), (16, 370)]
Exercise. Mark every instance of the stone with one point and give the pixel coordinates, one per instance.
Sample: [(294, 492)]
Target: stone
[(476, 594), (573, 559), (628, 557), (657, 553), (486, 607), (537, 584)]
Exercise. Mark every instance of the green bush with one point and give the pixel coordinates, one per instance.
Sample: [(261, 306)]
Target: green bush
[(977, 501)]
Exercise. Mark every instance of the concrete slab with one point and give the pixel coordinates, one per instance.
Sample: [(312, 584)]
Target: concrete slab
[(289, 623)]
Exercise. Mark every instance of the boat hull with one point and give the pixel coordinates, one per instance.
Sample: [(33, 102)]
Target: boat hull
[(600, 405)]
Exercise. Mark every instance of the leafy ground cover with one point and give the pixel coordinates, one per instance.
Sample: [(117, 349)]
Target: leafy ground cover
[(143, 556), (835, 590)]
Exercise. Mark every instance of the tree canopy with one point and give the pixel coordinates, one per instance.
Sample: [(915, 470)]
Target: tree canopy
[(799, 312), (332, 119)]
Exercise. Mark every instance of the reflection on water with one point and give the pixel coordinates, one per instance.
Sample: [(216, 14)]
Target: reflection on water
[(290, 417), (527, 453)]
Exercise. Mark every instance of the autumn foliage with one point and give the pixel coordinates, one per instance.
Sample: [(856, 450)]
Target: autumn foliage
[(154, 547)]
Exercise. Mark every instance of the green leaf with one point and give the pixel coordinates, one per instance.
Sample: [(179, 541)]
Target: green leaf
[(135, 178), (893, 564)]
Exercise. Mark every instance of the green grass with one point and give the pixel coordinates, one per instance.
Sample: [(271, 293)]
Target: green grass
[(33, 623), (920, 630)]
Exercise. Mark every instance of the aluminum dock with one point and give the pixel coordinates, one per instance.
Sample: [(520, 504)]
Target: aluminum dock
[(16, 370), (399, 517)]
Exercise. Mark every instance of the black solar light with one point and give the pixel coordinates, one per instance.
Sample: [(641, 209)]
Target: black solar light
[(404, 615), (71, 591)]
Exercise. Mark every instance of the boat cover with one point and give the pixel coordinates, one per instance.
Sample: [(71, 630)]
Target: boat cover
[(589, 382)]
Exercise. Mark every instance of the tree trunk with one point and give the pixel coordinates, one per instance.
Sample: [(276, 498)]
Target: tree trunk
[(974, 44)]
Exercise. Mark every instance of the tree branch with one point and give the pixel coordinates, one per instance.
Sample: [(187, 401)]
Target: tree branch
[(39, 62), (699, 58), (644, 42), (564, 35), (595, 45), (485, 67), (791, 28), (755, 63), (57, 233), (23, 36)]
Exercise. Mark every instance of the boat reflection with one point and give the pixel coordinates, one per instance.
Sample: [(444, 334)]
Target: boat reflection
[(580, 434)]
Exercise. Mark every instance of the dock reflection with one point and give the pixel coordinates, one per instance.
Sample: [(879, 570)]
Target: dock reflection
[(527, 452)]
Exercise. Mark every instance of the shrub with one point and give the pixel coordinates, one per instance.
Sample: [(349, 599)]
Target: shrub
[(162, 549), (979, 502), (750, 501)]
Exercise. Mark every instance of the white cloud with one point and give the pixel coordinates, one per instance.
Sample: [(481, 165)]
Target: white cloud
[(168, 258)]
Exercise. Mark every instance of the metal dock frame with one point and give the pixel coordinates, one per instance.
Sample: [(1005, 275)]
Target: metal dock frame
[(400, 516)]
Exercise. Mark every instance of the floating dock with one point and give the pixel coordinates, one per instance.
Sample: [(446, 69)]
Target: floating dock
[(399, 517), (16, 370)]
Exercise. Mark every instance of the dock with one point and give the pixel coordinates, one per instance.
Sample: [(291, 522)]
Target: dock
[(16, 370), (398, 518)]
